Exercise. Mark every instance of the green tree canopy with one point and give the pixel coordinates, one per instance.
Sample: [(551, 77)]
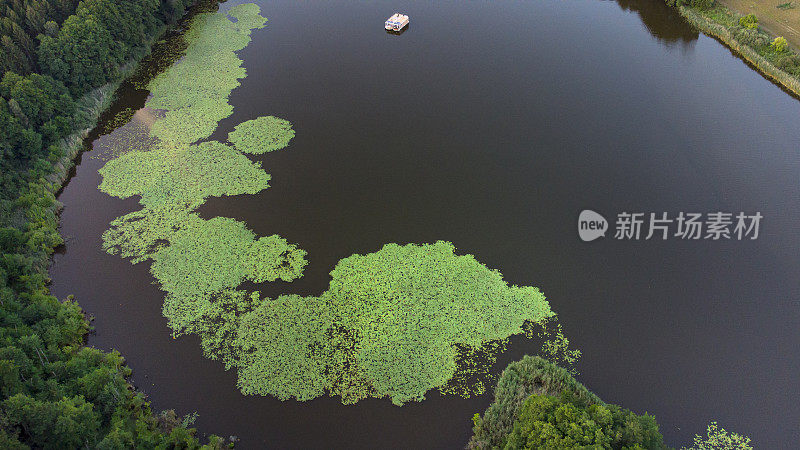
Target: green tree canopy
[(540, 405), (565, 423)]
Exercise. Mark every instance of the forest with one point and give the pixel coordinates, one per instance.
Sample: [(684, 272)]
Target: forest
[(54, 391)]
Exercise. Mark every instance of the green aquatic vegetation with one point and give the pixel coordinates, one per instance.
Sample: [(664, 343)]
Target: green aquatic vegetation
[(411, 304), (261, 135), (395, 323), (719, 438), (210, 256), (120, 118), (140, 234), (392, 323), (133, 135), (217, 322), (247, 16), (188, 125), (278, 348), (556, 347), (186, 174), (194, 260), (473, 371), (195, 92), (163, 55), (272, 258)]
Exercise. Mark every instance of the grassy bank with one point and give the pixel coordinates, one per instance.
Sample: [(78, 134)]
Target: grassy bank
[(773, 58), (778, 17)]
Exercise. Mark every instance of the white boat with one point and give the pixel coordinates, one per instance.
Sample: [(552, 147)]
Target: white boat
[(397, 22)]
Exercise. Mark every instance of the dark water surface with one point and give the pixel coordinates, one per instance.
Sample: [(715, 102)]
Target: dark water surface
[(493, 125)]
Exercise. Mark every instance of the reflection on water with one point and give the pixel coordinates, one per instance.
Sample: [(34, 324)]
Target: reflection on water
[(661, 21), (134, 135), (398, 33)]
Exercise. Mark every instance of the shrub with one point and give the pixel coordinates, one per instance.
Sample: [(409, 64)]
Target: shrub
[(750, 37), (749, 21), (703, 4), (789, 63), (779, 44)]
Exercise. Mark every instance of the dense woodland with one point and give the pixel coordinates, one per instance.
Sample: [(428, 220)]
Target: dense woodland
[(54, 392)]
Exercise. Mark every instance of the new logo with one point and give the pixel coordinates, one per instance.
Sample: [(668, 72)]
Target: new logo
[(591, 225)]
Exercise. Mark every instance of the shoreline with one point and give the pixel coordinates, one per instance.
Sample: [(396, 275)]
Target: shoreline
[(99, 102), (722, 34)]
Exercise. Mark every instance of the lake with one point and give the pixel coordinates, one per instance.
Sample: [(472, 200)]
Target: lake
[(493, 125)]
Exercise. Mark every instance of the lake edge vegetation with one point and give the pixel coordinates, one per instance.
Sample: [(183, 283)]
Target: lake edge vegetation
[(61, 62), (538, 404), (769, 55)]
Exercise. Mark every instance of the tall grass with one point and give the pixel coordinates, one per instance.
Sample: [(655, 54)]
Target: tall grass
[(90, 106)]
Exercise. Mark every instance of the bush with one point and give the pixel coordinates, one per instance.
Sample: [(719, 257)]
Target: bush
[(779, 44), (703, 4), (749, 21), (750, 37), (789, 63)]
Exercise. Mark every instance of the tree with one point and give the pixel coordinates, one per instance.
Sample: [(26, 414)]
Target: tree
[(83, 55), (779, 44), (66, 423), (540, 405), (40, 97), (51, 28), (561, 422), (703, 4), (790, 63), (749, 21)]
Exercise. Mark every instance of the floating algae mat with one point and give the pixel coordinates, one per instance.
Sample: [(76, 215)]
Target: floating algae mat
[(395, 323)]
